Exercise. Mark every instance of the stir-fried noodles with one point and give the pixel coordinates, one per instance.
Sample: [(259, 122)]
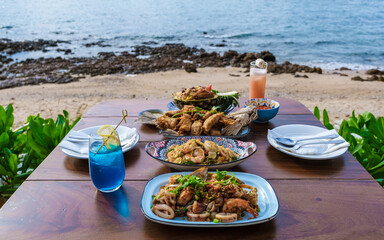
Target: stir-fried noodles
[(203, 196), (196, 152)]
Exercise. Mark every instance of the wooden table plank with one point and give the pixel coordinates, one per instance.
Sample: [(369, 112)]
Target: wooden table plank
[(266, 162), (114, 107), (309, 209)]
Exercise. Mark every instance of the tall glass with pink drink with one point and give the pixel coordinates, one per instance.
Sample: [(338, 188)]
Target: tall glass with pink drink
[(258, 77)]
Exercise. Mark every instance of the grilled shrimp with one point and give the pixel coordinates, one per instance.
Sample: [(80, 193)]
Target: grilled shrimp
[(234, 205)]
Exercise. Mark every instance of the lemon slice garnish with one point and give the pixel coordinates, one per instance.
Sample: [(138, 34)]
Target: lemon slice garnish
[(109, 136), (106, 130), (111, 140)]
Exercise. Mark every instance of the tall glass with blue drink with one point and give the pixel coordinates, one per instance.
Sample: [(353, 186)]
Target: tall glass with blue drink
[(106, 166)]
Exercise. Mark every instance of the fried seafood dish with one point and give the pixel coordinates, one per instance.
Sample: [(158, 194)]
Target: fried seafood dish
[(195, 93), (196, 152), (206, 98), (203, 196), (194, 121)]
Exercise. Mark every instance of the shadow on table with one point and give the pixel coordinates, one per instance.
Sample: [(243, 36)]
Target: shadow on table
[(131, 157), (304, 167), (159, 231), (116, 200)]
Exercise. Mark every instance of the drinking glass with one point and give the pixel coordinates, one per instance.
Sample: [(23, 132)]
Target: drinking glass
[(106, 166), (257, 81)]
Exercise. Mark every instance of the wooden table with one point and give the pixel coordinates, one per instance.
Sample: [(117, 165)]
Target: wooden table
[(332, 199)]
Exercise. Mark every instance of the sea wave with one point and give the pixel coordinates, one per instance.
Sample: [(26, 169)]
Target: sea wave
[(328, 42), (338, 65), (232, 36)]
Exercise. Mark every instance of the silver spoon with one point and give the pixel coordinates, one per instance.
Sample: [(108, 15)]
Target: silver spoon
[(290, 142)]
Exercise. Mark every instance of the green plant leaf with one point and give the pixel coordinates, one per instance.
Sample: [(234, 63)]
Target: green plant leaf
[(326, 122), (9, 119), (356, 149), (3, 119), (13, 163), (3, 171), (378, 172), (4, 140), (379, 163), (316, 112)]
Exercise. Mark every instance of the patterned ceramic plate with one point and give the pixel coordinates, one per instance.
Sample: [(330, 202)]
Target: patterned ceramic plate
[(171, 106), (158, 150)]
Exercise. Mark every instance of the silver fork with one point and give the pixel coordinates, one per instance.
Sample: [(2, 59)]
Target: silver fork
[(313, 143)]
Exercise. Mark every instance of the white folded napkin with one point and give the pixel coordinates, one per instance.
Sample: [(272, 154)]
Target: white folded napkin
[(78, 147), (127, 137), (316, 149)]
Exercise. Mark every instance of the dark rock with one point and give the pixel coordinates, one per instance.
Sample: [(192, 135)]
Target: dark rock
[(230, 54), (343, 75), (373, 78), (12, 47), (374, 72), (106, 55), (221, 45), (162, 58), (300, 76), (357, 78), (345, 69), (99, 43), (66, 51), (234, 75), (266, 56), (189, 67)]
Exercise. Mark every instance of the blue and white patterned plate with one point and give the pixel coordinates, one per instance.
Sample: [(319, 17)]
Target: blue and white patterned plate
[(267, 201), (171, 106), (158, 150)]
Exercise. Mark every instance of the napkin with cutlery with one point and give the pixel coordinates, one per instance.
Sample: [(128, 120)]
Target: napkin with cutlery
[(78, 141), (310, 149)]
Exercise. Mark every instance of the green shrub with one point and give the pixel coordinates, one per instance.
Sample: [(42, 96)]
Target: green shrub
[(22, 150), (365, 134)]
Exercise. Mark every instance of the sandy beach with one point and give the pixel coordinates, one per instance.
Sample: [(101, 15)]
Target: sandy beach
[(338, 94)]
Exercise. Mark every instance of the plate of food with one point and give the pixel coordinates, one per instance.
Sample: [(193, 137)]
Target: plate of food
[(205, 98), (209, 199), (172, 106), (195, 121), (193, 152)]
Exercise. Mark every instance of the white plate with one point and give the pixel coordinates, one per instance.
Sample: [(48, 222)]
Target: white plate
[(94, 129), (267, 201), (302, 130)]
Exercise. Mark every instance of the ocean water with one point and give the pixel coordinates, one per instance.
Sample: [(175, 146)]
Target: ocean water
[(326, 33)]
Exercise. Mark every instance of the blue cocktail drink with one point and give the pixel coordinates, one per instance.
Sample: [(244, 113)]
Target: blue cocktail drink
[(106, 166)]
